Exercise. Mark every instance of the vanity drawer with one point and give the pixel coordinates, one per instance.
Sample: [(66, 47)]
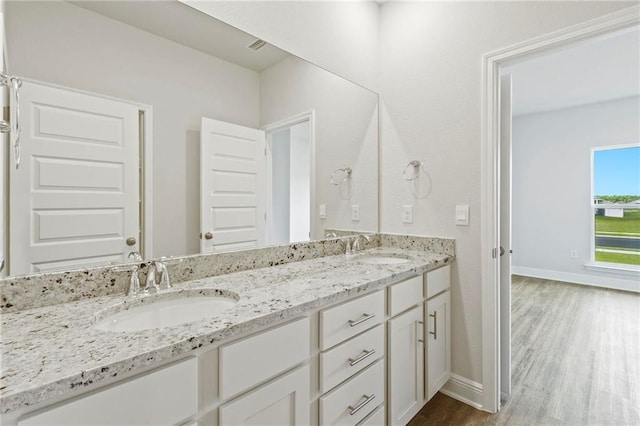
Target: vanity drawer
[(354, 400), (343, 361), (250, 361), (374, 419), (405, 295), (345, 321), (437, 281)]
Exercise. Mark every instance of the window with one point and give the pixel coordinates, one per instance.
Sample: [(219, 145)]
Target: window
[(616, 205)]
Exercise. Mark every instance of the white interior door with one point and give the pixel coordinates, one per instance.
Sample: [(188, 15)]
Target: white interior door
[(505, 236), (232, 186), (74, 198)]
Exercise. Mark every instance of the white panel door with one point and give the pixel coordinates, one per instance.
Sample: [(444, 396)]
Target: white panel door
[(438, 338), (74, 198), (232, 186), (406, 366), (282, 402)]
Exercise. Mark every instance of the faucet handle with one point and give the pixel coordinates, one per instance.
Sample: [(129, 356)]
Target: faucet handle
[(356, 241), (348, 248), (150, 283), (134, 283), (164, 283)]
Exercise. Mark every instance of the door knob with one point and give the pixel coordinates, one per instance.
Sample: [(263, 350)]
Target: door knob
[(208, 236), (131, 241)]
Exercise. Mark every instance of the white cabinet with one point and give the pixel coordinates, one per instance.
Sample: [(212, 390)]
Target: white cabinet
[(406, 366), (282, 402), (437, 329), (163, 397), (438, 338)]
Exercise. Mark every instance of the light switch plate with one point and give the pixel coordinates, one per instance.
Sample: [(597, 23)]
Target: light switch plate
[(462, 215), (355, 212), (407, 213), (323, 211)]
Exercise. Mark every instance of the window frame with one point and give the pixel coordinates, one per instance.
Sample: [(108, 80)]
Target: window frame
[(593, 264)]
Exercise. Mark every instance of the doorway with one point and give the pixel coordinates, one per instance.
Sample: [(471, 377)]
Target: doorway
[(290, 180), (493, 308)]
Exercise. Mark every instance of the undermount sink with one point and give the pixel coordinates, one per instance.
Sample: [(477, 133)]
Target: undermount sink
[(381, 259), (164, 310)]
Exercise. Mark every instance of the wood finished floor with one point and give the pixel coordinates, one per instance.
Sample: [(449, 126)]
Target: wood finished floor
[(575, 360)]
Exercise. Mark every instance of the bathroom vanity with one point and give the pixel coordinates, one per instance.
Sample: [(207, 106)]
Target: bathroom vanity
[(322, 341)]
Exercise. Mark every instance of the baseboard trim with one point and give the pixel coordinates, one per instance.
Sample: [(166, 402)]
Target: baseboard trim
[(583, 279), (464, 390)]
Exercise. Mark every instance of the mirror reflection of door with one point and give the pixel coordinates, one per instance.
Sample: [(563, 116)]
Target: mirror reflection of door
[(232, 181), (74, 200), (290, 149)]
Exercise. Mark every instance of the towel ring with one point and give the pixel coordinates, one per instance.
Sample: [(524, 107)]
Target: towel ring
[(347, 174), (415, 164)]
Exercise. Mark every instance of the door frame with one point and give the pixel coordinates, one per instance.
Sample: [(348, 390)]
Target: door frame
[(146, 162), (492, 62), (269, 130)]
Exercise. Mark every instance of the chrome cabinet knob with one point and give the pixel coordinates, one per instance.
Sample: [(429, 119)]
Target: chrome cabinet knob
[(131, 241), (208, 236)]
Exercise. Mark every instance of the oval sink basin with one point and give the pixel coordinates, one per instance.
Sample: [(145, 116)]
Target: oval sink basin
[(156, 312), (382, 259)]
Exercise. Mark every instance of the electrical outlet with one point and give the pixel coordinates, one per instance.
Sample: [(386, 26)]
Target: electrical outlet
[(322, 214), (574, 254), (355, 212), (407, 214)]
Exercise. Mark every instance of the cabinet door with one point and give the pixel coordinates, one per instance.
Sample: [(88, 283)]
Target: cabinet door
[(406, 366), (162, 397), (282, 402), (438, 338)]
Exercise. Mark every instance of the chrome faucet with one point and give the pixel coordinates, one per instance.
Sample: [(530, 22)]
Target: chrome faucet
[(164, 283), (150, 285)]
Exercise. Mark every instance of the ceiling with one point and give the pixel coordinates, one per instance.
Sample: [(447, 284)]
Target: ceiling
[(182, 24), (593, 71)]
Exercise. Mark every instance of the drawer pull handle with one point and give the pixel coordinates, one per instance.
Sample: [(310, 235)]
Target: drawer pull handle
[(365, 355), (434, 315), (367, 399), (353, 323)]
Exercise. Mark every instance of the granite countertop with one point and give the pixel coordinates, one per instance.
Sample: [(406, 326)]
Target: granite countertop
[(50, 351)]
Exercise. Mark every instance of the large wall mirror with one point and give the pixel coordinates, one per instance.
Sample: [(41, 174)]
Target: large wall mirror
[(151, 127)]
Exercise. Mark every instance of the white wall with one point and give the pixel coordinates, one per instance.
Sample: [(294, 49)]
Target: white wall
[(346, 129), (63, 44), (552, 185), (430, 85), (341, 36)]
